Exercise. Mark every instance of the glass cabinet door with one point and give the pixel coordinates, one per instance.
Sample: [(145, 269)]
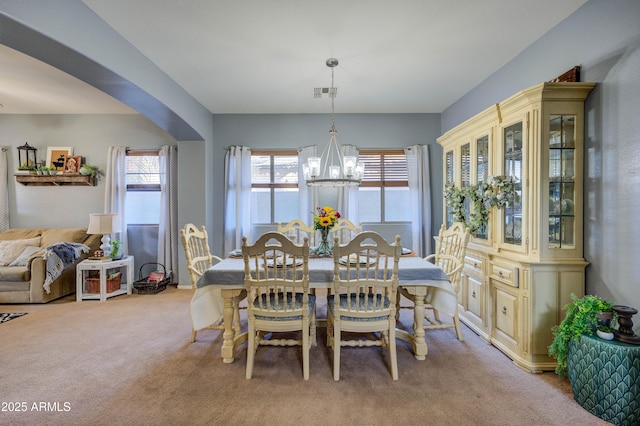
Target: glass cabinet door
[(482, 170), (450, 179), (512, 223), (465, 174), (561, 180)]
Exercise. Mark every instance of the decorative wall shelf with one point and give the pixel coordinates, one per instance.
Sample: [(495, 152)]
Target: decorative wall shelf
[(55, 180)]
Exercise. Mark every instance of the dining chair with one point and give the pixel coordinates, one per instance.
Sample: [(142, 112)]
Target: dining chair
[(451, 247), (276, 277), (196, 249), (344, 229), (365, 283), (296, 230)]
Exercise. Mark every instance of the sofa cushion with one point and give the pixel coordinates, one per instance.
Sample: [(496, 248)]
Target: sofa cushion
[(12, 286), (23, 259), (11, 249), (19, 234), (14, 273), (59, 235)]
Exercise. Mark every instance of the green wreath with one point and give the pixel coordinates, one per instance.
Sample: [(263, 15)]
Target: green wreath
[(498, 191)]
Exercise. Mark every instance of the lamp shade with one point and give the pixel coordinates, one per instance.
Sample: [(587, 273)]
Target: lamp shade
[(104, 223)]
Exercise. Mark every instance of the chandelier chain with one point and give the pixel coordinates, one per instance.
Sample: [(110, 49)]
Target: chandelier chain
[(332, 94)]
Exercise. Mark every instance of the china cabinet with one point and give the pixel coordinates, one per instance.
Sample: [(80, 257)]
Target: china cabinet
[(527, 258)]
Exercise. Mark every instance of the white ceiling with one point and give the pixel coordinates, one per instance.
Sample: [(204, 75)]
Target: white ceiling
[(257, 56), (28, 86)]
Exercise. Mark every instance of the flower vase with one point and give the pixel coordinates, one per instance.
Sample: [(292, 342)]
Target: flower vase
[(324, 248)]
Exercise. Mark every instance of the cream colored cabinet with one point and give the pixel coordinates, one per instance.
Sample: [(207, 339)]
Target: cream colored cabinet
[(505, 318), (523, 264), (473, 297)]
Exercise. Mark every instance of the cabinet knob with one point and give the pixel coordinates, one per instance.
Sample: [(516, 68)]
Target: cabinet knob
[(475, 265), (473, 294), (500, 273), (504, 310)]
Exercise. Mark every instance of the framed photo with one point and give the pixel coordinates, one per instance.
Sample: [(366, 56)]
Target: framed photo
[(72, 164), (56, 156)]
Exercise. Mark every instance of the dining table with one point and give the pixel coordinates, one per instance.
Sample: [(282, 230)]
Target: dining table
[(218, 291)]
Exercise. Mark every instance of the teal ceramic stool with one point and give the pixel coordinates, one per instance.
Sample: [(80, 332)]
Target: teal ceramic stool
[(605, 378)]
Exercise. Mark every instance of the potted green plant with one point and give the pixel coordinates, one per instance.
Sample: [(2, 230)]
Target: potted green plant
[(581, 318), (88, 170), (605, 332), (24, 167), (115, 250)]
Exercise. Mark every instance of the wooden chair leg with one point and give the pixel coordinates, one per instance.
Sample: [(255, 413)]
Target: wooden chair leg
[(313, 326), (193, 336), (456, 322), (251, 351), (393, 357), (436, 315), (236, 314), (336, 352), (305, 350)]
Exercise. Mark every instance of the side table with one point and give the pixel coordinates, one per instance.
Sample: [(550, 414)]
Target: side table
[(605, 378), (124, 265)]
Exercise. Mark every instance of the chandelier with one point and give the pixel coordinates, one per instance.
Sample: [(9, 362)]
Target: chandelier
[(333, 168)]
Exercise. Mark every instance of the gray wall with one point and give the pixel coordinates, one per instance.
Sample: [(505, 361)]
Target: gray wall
[(363, 130), (69, 35), (90, 136), (604, 38)]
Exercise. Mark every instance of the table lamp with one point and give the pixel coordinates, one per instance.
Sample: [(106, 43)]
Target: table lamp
[(105, 224)]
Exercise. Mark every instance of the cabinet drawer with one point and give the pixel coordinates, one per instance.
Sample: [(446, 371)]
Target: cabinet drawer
[(473, 265), (475, 298), (505, 311), (505, 273)]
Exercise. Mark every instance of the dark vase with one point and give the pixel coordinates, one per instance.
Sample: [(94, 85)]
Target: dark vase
[(604, 318)]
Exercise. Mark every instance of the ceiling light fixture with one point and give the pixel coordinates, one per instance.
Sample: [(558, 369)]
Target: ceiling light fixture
[(332, 168)]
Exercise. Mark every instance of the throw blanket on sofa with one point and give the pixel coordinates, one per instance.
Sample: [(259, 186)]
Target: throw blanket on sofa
[(58, 257)]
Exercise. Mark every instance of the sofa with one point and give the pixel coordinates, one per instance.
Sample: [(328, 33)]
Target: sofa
[(23, 268)]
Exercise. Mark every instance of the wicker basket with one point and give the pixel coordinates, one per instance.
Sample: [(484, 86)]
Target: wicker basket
[(93, 284), (144, 286)]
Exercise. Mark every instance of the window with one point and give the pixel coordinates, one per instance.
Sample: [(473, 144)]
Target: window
[(274, 186), (384, 191), (143, 187)]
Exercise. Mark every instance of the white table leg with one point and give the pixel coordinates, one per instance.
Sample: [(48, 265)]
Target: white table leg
[(420, 349), (232, 336), (103, 285), (79, 283), (416, 339)]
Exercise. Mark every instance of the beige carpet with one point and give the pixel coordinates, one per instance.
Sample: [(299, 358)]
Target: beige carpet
[(128, 361)]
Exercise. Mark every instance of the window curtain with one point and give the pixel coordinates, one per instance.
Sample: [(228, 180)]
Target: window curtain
[(237, 218), (4, 191), (116, 190), (348, 195), (308, 197), (420, 194), (168, 227)]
